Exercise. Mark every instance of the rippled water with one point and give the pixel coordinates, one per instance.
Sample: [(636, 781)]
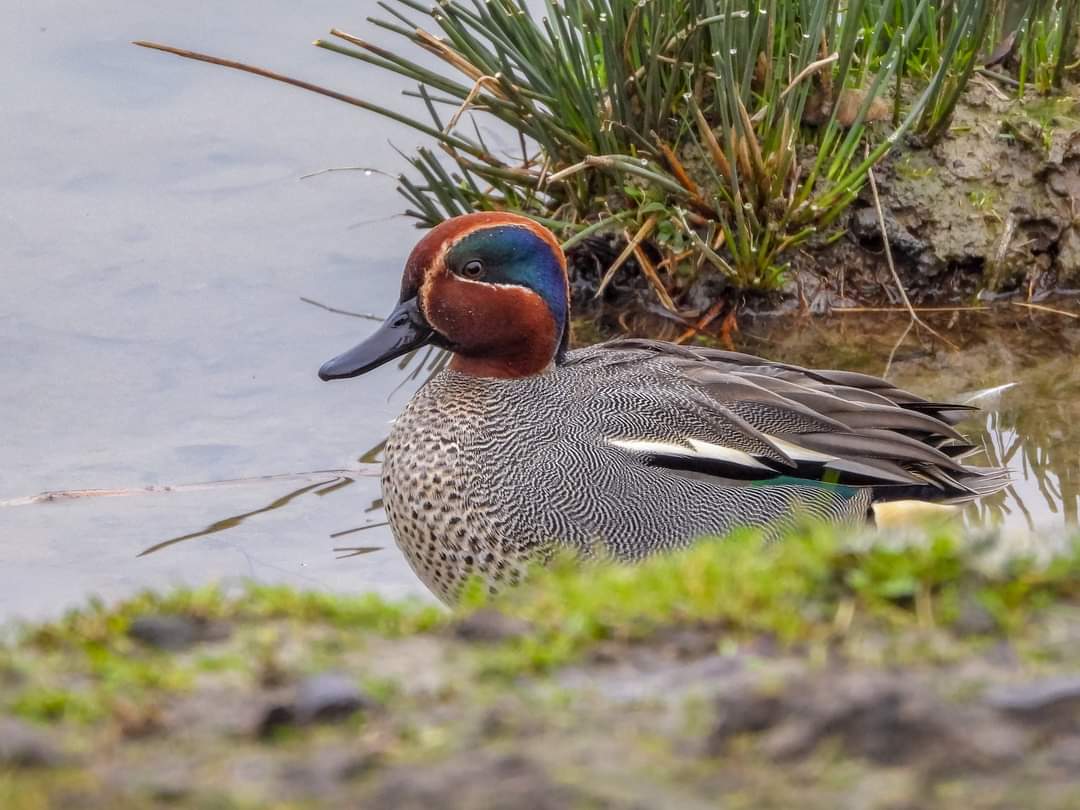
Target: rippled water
[(157, 242)]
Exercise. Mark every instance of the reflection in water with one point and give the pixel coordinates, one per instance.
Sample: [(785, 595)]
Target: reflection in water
[(1031, 446), (355, 551), (1030, 423), (375, 506), (319, 488)]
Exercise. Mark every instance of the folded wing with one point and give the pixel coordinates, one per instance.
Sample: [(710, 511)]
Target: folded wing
[(738, 417)]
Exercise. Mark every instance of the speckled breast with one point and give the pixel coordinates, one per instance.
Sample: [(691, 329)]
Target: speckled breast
[(437, 503)]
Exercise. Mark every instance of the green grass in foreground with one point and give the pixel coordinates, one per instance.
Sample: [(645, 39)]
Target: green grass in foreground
[(812, 589), (806, 589)]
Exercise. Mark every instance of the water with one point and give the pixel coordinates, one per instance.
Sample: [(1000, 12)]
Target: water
[(156, 240)]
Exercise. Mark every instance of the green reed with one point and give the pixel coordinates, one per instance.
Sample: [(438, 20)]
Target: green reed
[(719, 132)]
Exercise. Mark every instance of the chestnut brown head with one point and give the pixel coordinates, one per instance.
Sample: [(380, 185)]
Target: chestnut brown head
[(490, 287)]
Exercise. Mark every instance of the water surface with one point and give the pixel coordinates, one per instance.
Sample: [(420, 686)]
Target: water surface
[(156, 241)]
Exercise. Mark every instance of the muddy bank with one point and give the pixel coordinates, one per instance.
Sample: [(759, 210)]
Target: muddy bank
[(821, 672), (991, 210)]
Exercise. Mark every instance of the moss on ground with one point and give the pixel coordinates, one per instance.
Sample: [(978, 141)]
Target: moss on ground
[(803, 668)]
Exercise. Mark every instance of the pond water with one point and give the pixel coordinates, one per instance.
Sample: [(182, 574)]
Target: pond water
[(157, 240)]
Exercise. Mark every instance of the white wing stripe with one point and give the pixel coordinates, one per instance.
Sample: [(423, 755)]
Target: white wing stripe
[(697, 448)]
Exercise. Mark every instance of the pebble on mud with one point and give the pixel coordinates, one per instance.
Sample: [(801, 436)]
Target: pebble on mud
[(23, 746), (328, 697), (175, 632)]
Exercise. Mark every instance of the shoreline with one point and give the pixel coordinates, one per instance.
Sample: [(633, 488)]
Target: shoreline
[(908, 668)]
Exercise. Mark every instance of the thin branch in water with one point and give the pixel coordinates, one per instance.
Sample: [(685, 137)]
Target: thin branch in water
[(363, 528), (365, 169), (236, 520), (336, 311), (896, 346), (703, 322), (52, 496), (346, 552), (915, 319), (1042, 308), (840, 310)]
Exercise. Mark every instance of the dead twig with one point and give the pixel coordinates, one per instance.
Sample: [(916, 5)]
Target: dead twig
[(653, 278), (703, 322), (813, 67), (642, 232), (908, 309), (365, 169), (478, 85)]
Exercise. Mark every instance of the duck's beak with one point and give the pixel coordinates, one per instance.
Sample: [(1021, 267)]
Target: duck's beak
[(404, 330)]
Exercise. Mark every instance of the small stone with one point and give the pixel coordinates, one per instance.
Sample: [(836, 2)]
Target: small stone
[(742, 713), (274, 717), (1038, 701), (328, 697), (23, 746), (490, 627), (175, 632)]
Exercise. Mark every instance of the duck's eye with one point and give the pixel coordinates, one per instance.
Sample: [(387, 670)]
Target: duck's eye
[(473, 269)]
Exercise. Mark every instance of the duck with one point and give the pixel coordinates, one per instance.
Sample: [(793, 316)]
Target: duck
[(522, 448)]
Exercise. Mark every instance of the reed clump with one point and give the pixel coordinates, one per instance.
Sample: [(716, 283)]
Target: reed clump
[(709, 133)]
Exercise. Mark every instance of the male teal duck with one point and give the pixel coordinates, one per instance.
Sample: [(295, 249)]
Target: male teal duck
[(521, 447)]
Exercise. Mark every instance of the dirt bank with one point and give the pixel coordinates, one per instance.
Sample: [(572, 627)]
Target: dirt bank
[(991, 210)]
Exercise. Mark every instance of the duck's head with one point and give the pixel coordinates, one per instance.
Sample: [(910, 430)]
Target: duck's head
[(490, 287)]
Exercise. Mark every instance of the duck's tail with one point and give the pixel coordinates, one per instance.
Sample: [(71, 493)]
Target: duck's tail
[(946, 487)]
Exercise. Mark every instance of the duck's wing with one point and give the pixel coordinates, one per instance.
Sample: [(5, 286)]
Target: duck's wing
[(735, 416)]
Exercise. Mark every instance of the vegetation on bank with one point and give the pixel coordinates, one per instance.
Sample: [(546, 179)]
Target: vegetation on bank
[(267, 697), (705, 134), (812, 588), (719, 134)]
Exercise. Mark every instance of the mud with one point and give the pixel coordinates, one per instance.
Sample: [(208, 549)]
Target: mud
[(990, 209)]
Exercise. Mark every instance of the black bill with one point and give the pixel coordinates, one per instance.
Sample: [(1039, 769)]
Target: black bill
[(404, 330)]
